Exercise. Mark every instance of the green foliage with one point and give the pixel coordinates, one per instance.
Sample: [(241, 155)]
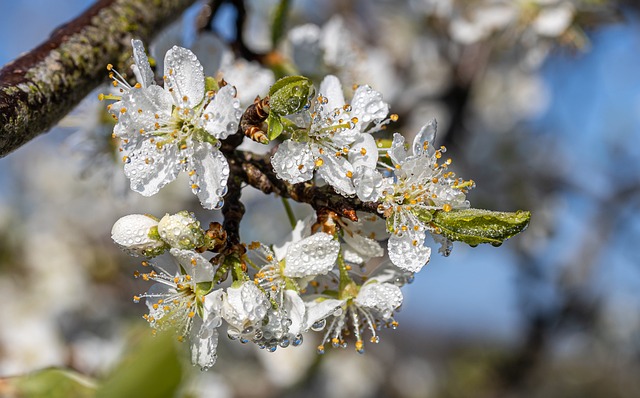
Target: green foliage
[(279, 22), (152, 370), (289, 95), (49, 383), (275, 126), (210, 84), (475, 226)]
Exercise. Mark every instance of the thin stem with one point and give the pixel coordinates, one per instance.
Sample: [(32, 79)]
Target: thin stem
[(289, 211)]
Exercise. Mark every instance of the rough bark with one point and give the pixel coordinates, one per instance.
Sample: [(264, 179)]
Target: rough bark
[(43, 85)]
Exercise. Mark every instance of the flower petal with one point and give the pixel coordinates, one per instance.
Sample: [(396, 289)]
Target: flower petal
[(368, 106), (209, 181), (397, 152), (184, 77), (142, 68), (363, 246), (318, 310), (150, 168), (246, 305), (337, 172), (194, 263), (383, 297), (363, 152), (404, 254), (293, 162), (331, 89), (223, 113), (425, 139), (132, 234), (295, 309), (137, 111), (203, 349), (315, 255), (368, 183)]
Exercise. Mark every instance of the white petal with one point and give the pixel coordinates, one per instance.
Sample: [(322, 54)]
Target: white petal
[(302, 229), (209, 181), (294, 306), (142, 68), (426, 138), (397, 152), (331, 89), (368, 183), (315, 255), (383, 297), (150, 168), (185, 76), (246, 305), (194, 263), (318, 310), (223, 113), (203, 350), (363, 152), (131, 234), (365, 247), (137, 111), (293, 161), (404, 254), (335, 170), (368, 106)]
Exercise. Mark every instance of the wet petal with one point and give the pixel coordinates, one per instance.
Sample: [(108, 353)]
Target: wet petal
[(194, 263), (150, 168), (184, 75), (425, 139), (363, 151), (223, 113), (368, 106), (293, 162), (337, 172), (142, 68), (295, 309), (363, 246), (209, 173), (383, 297), (331, 89), (404, 254), (318, 310), (315, 255), (368, 183)]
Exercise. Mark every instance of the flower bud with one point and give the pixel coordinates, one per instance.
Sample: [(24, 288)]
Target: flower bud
[(181, 230), (137, 235)]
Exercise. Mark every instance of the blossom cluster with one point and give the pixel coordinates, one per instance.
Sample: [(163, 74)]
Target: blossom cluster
[(332, 273)]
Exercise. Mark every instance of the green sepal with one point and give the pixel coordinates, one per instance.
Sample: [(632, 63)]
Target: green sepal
[(275, 126), (475, 226), (210, 84), (423, 215), (202, 289), (289, 95)]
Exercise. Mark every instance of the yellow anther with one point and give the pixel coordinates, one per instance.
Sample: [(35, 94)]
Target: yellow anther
[(447, 207), (354, 120), (115, 83), (349, 174), (195, 186), (194, 262), (138, 85), (155, 306), (123, 110), (109, 66), (434, 180), (101, 97), (300, 166), (191, 314), (414, 242), (363, 151)]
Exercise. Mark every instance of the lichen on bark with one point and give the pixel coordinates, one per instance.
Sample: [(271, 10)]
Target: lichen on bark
[(43, 85)]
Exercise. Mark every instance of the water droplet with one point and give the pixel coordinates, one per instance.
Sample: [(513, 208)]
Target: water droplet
[(319, 325)]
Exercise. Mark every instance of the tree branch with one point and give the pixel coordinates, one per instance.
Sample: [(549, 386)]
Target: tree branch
[(40, 87), (257, 171)]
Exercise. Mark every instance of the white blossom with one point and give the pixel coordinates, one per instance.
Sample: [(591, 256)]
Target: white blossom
[(336, 141), (421, 183), (176, 128), (372, 305), (182, 301)]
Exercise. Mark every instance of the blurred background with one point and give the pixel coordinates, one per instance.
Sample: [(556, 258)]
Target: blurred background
[(537, 101)]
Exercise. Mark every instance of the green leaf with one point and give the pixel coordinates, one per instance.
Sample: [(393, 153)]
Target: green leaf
[(275, 126), (279, 21), (289, 95), (475, 226), (210, 84), (152, 370), (49, 383)]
